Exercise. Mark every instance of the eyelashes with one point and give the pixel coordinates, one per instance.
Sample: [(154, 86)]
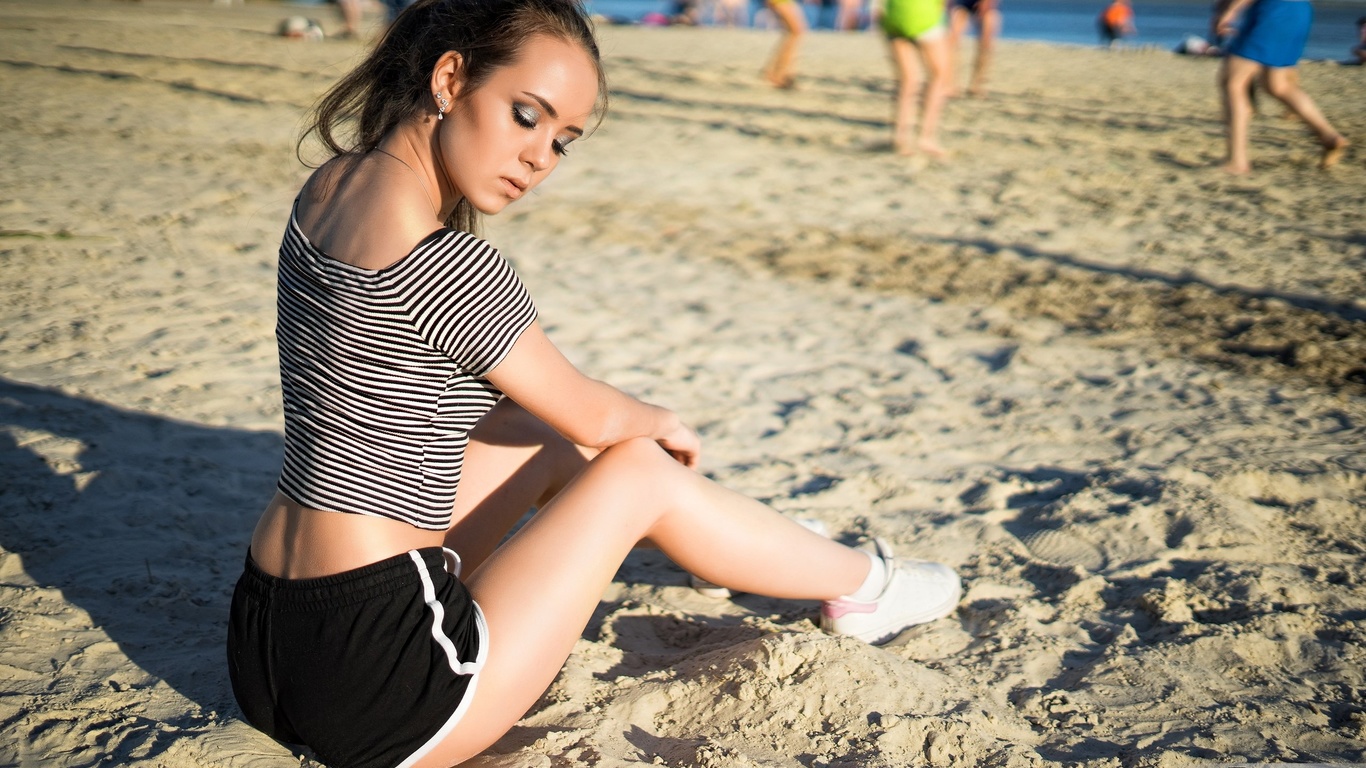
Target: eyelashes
[(527, 117)]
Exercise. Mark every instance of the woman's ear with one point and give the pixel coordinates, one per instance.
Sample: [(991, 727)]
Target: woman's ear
[(448, 76)]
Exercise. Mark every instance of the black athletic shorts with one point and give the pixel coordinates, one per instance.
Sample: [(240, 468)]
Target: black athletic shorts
[(368, 668)]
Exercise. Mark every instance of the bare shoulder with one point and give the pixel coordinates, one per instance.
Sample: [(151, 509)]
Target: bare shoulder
[(359, 212), (322, 185)]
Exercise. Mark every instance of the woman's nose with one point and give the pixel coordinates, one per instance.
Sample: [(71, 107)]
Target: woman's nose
[(539, 155)]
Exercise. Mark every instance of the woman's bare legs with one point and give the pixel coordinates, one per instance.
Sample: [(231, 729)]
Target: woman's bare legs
[(781, 69), (907, 63), (908, 55), (849, 15), (934, 49), (514, 462), (988, 29), (1282, 83), (959, 19), (1235, 76), (539, 589), (351, 17)]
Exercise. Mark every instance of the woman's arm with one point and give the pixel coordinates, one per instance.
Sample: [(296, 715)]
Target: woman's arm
[(587, 412), (1226, 17)]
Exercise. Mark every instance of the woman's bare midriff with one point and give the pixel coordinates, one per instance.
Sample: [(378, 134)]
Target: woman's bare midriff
[(294, 542)]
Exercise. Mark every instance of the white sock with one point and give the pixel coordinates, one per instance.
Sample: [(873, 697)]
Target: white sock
[(872, 586)]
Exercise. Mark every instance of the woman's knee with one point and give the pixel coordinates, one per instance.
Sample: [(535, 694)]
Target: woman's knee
[(638, 453), (1236, 93), (642, 464), (1280, 85)]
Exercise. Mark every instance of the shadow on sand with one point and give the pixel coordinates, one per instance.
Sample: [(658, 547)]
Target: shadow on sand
[(140, 520)]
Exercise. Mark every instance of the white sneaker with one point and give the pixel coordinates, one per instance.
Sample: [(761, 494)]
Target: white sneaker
[(708, 589), (916, 592)]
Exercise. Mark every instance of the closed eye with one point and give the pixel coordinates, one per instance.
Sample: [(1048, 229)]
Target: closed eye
[(529, 117), (525, 116)]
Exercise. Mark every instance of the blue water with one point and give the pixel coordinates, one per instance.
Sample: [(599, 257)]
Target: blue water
[(1160, 23)]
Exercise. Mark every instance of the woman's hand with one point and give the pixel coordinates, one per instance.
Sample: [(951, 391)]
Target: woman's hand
[(683, 444), (1226, 18), (585, 411), (1225, 25)]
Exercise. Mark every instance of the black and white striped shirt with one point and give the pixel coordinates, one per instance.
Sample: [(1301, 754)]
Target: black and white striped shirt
[(382, 371)]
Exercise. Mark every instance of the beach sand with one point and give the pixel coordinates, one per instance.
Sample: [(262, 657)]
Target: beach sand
[(1123, 393)]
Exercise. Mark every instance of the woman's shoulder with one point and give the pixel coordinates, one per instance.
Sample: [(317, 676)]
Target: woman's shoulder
[(322, 184), (361, 217)]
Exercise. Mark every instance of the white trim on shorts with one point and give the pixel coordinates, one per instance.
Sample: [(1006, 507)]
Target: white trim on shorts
[(933, 33), (471, 668)]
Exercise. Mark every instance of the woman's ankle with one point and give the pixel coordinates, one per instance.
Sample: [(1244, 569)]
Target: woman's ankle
[(874, 582)]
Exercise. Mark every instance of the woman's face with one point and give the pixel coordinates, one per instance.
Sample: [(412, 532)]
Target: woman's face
[(500, 141)]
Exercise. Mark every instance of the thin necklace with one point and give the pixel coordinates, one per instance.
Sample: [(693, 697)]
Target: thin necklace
[(420, 182)]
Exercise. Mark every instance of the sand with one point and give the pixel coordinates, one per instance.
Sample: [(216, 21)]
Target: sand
[(1123, 393)]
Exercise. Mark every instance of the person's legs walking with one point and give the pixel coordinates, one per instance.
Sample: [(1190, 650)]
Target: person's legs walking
[(351, 17), (1235, 75), (782, 68), (959, 19), (934, 50), (1282, 83), (850, 15), (988, 29), (907, 65)]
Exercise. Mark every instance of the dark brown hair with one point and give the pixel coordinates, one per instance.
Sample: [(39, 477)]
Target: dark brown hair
[(392, 84)]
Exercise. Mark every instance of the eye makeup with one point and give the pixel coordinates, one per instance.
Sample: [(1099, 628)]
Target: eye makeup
[(528, 117), (525, 116)]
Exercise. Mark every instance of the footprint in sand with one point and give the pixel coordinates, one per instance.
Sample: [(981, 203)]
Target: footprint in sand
[(1063, 548)]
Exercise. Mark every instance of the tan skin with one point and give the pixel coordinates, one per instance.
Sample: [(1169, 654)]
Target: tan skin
[(907, 57), (1236, 76), (351, 17), (781, 71), (988, 27), (605, 470), (848, 17)]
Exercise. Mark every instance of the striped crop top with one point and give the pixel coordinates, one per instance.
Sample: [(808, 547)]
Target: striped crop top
[(382, 371)]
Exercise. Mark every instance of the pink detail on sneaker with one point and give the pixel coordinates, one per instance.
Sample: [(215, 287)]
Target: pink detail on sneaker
[(834, 609)]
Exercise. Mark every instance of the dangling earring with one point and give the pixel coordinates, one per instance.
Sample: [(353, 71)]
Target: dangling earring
[(442, 106)]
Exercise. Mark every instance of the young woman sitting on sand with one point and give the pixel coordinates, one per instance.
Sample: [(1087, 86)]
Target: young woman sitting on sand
[(411, 363)]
